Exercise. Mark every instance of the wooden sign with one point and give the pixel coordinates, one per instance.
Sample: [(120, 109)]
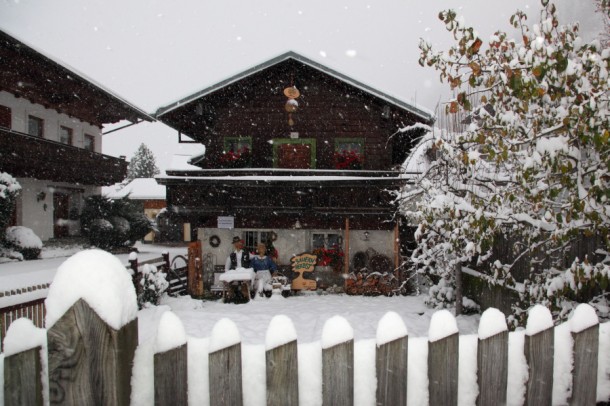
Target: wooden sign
[(301, 264)]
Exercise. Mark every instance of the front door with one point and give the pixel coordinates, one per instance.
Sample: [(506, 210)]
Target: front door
[(61, 206)]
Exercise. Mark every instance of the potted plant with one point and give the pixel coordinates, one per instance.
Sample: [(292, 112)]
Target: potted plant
[(330, 257), (235, 158), (348, 159)]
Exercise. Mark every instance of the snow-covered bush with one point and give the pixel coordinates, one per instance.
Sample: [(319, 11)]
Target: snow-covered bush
[(24, 241), (112, 224), (9, 190), (526, 159), (153, 285)]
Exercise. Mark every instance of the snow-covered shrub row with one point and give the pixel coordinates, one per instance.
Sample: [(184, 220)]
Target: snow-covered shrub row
[(523, 157), (9, 190)]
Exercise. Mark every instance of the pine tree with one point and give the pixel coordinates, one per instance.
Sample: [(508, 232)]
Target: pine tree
[(532, 166), (142, 164)]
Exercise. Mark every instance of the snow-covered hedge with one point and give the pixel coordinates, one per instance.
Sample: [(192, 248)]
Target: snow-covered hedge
[(153, 285)]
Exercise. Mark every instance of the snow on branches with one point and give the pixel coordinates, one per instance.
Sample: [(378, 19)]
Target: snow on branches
[(527, 156)]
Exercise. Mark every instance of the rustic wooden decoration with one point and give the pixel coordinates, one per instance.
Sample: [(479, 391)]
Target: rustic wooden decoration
[(443, 358), (539, 350), (283, 375), (225, 377), (292, 92), (22, 378), (301, 264), (171, 378), (89, 362), (391, 365), (492, 369), (586, 349), (195, 269), (338, 374)]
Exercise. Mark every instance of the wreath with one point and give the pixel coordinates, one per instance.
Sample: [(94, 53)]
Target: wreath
[(273, 235), (214, 241)]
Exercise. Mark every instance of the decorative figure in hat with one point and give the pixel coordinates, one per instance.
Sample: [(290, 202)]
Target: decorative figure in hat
[(239, 258)]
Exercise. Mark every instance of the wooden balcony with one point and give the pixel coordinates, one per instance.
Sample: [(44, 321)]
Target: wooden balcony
[(23, 155)]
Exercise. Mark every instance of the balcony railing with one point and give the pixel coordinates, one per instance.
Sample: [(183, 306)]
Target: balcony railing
[(23, 155)]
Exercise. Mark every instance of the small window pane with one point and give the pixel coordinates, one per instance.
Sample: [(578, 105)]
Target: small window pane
[(333, 240), (317, 241), (89, 143), (35, 126), (250, 239), (65, 135), (5, 116)]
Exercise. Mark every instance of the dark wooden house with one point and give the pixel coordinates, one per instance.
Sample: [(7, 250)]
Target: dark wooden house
[(293, 150), (51, 121)]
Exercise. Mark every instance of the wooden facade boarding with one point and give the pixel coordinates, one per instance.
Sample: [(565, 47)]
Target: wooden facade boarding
[(334, 161), (102, 376)]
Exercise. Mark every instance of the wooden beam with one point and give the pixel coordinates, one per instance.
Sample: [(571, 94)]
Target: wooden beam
[(346, 257)]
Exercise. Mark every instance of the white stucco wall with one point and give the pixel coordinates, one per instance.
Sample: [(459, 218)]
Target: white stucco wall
[(22, 108), (38, 214), (293, 242)]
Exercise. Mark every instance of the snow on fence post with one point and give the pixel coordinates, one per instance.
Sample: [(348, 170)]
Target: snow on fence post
[(492, 358), (92, 331), (337, 362), (170, 362), (585, 332), (443, 358), (391, 360), (24, 346), (225, 365), (539, 347), (282, 362)]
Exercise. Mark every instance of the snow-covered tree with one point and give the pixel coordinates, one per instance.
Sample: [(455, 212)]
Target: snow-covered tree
[(531, 165), (9, 190), (143, 164)]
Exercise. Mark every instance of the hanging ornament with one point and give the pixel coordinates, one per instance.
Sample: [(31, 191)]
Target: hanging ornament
[(291, 105)]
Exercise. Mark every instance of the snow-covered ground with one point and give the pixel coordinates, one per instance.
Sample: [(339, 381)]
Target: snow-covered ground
[(206, 325)]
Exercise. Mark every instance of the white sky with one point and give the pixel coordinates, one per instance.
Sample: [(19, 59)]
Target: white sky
[(153, 52)]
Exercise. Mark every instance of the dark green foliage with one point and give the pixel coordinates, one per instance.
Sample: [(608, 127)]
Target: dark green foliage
[(9, 190), (113, 223)]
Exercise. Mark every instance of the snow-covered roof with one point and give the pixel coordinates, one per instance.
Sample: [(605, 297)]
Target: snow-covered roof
[(182, 162), (420, 111), (137, 189)]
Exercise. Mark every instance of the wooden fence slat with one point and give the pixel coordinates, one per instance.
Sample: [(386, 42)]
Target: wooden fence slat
[(89, 362), (283, 375), (492, 369), (391, 366), (443, 358), (539, 349), (22, 378), (225, 377), (171, 377), (338, 374), (586, 349)]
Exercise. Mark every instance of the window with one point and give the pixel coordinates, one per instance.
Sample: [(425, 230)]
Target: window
[(5, 116), (297, 153), (35, 126), (252, 238), (325, 240), (89, 143), (349, 153), (65, 135), (237, 152)]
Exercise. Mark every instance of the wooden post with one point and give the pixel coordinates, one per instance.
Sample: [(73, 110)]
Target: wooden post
[(586, 348), (171, 378), (391, 366), (492, 369), (443, 358), (338, 374), (225, 376), (346, 257), (539, 350), (166, 264), (195, 269), (283, 375), (458, 289), (22, 378), (396, 248), (89, 362)]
